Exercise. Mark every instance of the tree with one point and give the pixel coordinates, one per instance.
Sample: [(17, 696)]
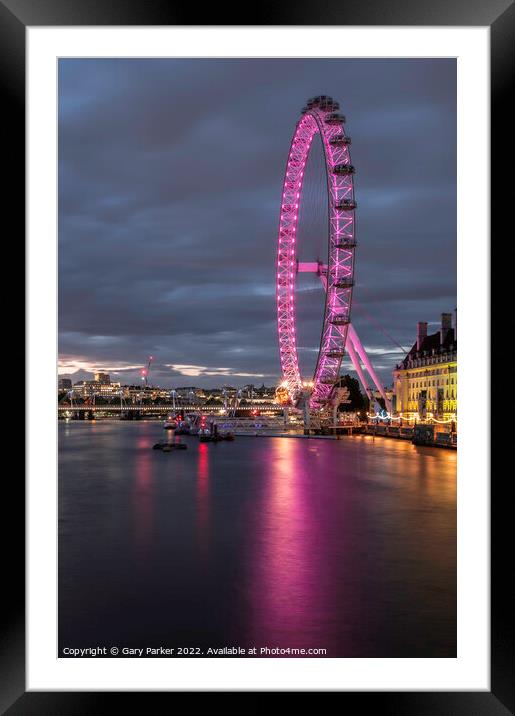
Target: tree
[(357, 400)]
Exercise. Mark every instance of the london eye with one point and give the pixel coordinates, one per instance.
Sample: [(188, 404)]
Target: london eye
[(320, 118)]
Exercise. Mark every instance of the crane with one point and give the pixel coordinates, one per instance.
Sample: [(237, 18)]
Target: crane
[(146, 371)]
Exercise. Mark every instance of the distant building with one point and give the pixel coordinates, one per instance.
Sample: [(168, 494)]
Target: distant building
[(229, 391), (133, 392), (248, 391), (88, 388), (103, 378), (157, 393), (186, 393), (264, 392), (427, 380), (64, 384)]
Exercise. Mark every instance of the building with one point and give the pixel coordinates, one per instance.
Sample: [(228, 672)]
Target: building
[(188, 395), (133, 393), (103, 378), (248, 391), (88, 388), (264, 392), (64, 384), (426, 382)]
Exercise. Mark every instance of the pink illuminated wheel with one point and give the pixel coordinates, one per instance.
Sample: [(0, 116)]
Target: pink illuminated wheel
[(319, 117)]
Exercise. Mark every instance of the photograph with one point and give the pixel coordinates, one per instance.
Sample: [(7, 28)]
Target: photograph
[(245, 249), (256, 390)]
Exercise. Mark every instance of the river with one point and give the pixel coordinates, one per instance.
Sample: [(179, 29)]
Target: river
[(345, 546)]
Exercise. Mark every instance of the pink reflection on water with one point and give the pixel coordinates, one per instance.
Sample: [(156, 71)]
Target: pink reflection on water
[(203, 497), (143, 495), (289, 587)]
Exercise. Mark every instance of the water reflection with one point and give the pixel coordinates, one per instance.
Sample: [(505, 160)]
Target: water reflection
[(347, 545), (290, 581), (203, 497), (143, 496)]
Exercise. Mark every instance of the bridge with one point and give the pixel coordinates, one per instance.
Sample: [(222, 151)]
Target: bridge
[(164, 409)]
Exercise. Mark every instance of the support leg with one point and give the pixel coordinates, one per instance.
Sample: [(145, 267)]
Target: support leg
[(354, 344), (353, 337), (357, 367)]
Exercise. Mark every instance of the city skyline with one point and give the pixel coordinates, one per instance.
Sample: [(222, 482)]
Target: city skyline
[(170, 175)]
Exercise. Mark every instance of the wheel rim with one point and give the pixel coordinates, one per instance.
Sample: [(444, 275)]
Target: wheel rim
[(319, 117)]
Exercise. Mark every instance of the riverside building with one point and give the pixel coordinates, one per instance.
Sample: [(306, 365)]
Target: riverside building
[(90, 388), (426, 381)]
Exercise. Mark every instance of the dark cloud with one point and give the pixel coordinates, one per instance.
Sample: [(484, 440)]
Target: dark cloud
[(170, 175)]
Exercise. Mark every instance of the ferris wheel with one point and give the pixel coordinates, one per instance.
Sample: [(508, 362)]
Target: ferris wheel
[(320, 118)]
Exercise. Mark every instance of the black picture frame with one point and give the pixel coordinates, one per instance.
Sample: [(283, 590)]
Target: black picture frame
[(15, 17)]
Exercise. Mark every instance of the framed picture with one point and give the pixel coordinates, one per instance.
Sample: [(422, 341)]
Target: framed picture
[(206, 264)]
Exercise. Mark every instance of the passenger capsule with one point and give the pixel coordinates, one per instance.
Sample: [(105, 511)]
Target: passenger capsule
[(343, 169)]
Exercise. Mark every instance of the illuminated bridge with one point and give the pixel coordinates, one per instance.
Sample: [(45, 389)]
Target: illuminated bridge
[(164, 409)]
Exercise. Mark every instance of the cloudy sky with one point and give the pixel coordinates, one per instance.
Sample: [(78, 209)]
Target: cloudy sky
[(170, 175)]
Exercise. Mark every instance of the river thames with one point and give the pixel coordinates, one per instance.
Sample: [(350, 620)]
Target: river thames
[(345, 546)]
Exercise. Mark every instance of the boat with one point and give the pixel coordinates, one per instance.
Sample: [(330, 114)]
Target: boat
[(204, 436), (183, 428), (215, 437), (170, 423)]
